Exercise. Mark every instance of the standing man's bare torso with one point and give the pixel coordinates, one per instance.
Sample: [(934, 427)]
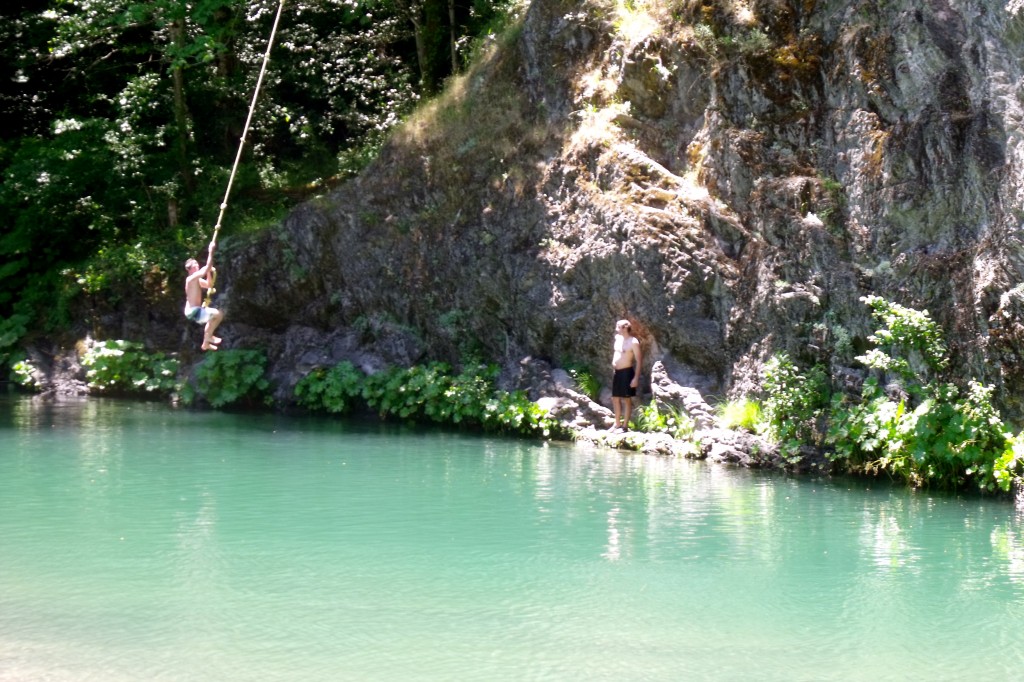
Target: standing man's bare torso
[(623, 355)]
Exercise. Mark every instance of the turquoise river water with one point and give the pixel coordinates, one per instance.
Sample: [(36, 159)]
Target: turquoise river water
[(138, 542)]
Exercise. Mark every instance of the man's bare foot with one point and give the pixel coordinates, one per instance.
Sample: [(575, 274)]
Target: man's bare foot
[(209, 346), (217, 340)]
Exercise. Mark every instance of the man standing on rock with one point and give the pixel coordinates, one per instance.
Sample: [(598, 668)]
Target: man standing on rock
[(627, 360)]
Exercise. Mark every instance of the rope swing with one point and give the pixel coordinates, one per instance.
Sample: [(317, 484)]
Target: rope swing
[(212, 274)]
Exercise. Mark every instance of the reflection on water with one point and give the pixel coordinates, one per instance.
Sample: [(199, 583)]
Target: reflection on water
[(885, 540), (139, 542)]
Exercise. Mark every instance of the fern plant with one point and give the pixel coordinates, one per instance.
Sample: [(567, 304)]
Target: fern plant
[(665, 419), (585, 381)]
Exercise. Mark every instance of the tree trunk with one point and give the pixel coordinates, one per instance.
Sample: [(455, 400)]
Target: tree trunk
[(181, 117), (452, 43), (172, 212), (422, 53), (227, 60)]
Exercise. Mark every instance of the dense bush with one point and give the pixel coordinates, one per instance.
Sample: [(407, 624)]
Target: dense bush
[(793, 404), (415, 393), (330, 390), (471, 395), (124, 367), (920, 429), (427, 393), (906, 422), (231, 377)]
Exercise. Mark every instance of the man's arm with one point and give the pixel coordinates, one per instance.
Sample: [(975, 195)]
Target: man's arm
[(209, 257), (205, 271), (196, 276), (638, 355)]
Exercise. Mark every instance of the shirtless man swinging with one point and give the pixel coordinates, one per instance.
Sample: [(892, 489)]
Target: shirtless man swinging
[(196, 281), (627, 360)]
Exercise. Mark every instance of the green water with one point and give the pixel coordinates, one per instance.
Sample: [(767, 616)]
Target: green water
[(142, 543)]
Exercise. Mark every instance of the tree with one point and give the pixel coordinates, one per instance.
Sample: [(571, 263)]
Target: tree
[(114, 110)]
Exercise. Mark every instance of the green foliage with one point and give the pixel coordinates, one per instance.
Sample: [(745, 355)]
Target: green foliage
[(930, 432), (124, 367), (746, 43), (124, 115), (356, 89), (232, 377), (665, 419), (946, 441), (754, 41), (585, 381), (413, 393), (117, 269), (867, 433), (330, 390), (831, 210), (12, 330), (837, 337), (26, 375), (58, 202), (516, 413), (429, 393), (909, 344), (705, 40), (740, 414), (469, 393), (493, 18), (794, 401), (1009, 466)]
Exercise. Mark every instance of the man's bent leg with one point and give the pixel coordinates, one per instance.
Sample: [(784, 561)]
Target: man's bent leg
[(209, 340), (216, 323)]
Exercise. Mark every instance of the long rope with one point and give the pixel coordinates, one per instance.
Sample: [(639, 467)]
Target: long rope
[(242, 143)]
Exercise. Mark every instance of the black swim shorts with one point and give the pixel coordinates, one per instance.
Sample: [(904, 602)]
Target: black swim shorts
[(621, 383)]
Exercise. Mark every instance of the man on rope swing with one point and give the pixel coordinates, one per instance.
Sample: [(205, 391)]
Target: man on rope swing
[(200, 278)]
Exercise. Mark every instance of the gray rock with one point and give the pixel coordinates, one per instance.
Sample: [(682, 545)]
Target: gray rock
[(555, 391), (684, 398), (737, 447)]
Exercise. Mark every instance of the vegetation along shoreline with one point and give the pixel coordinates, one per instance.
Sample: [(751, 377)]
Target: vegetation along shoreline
[(918, 429)]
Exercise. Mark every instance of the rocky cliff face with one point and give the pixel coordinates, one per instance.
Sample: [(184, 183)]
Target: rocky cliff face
[(732, 176)]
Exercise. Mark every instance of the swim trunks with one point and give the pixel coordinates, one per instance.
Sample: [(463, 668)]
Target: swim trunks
[(198, 313), (621, 383)]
